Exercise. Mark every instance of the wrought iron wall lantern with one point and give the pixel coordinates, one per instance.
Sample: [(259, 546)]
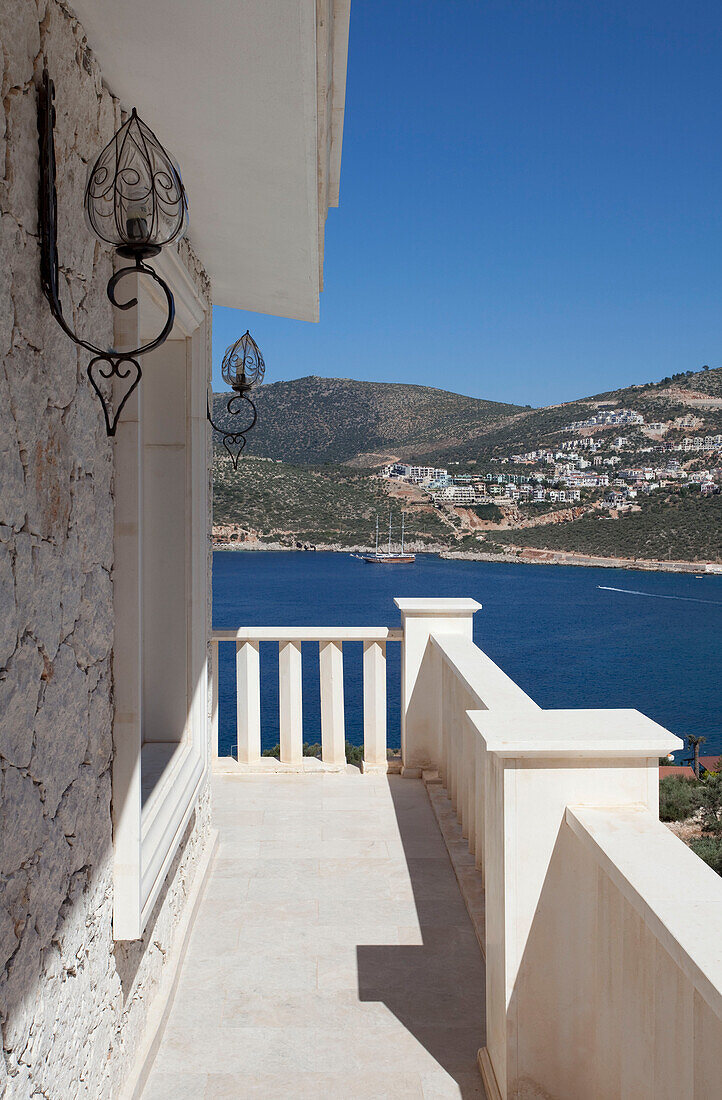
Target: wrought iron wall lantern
[(134, 200), (242, 369)]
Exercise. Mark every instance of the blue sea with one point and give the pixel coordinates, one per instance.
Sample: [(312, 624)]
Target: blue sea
[(569, 636)]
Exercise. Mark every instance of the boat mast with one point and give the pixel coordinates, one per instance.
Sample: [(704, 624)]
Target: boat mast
[(402, 532), (377, 533), (389, 532)]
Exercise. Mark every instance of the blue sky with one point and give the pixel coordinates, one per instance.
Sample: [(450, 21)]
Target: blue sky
[(531, 201)]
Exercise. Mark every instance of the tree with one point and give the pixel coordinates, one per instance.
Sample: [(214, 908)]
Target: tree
[(705, 367), (694, 742)]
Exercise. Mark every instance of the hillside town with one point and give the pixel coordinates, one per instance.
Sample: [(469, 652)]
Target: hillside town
[(611, 472)]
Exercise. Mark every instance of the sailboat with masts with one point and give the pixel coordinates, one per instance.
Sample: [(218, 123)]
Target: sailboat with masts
[(380, 557)]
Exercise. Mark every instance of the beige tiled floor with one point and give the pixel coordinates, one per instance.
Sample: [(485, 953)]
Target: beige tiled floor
[(332, 956)]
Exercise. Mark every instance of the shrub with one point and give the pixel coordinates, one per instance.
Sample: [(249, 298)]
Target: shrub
[(354, 754), (488, 511), (710, 802), (709, 848), (308, 750), (678, 798)]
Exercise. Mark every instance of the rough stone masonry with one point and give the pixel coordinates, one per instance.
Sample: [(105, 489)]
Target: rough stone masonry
[(72, 1003)]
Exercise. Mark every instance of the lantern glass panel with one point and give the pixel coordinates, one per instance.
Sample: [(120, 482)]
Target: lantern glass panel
[(243, 365), (134, 198)]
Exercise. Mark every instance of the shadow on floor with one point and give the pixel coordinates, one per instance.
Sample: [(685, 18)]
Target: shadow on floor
[(436, 989)]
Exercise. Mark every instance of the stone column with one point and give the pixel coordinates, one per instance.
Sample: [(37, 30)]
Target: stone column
[(421, 674)]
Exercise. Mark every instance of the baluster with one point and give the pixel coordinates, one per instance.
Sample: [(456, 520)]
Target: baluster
[(214, 699), (446, 702), (374, 676), (479, 799), (248, 702), (290, 702), (453, 748), (467, 780), (333, 733)]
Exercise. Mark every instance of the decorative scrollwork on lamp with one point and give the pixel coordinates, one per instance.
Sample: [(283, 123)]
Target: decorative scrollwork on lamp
[(134, 200), (242, 369)]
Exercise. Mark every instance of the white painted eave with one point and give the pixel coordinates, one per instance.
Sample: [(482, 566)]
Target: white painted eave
[(248, 96)]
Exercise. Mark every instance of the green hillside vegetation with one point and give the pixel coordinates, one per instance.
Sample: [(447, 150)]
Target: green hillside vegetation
[(525, 431), (697, 802), (331, 432), (316, 420), (529, 430), (683, 527), (313, 504), (707, 380), (491, 512)]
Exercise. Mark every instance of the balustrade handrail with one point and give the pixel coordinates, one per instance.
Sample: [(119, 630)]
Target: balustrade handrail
[(488, 685), (681, 929), (330, 640), (309, 634), (603, 966)]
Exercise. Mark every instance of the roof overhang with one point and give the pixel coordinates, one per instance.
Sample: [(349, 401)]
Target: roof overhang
[(248, 96)]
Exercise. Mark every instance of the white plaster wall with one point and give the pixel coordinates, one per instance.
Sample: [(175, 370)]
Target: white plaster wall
[(72, 1004)]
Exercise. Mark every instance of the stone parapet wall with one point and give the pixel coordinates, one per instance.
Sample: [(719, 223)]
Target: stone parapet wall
[(72, 1003)]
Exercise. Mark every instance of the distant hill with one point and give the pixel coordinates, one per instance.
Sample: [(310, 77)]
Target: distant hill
[(698, 392), (315, 420), (681, 527), (319, 505)]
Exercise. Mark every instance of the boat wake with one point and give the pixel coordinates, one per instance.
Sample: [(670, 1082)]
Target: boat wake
[(658, 595)]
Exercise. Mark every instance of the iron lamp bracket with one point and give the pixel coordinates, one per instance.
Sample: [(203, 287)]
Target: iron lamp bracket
[(106, 365)]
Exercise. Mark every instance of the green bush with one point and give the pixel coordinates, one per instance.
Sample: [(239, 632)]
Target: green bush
[(488, 511), (709, 848), (308, 750), (669, 525), (354, 754), (710, 802), (678, 798)]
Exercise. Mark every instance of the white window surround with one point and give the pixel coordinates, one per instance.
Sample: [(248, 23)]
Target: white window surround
[(161, 753)]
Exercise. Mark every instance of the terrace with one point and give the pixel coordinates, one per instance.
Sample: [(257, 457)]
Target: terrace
[(503, 912), (500, 918)]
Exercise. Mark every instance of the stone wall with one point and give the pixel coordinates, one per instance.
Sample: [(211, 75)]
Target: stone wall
[(72, 1003)]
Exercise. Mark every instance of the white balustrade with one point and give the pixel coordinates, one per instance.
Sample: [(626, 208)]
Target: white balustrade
[(333, 728), (603, 967)]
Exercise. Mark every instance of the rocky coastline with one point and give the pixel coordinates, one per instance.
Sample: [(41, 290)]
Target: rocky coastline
[(226, 538)]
